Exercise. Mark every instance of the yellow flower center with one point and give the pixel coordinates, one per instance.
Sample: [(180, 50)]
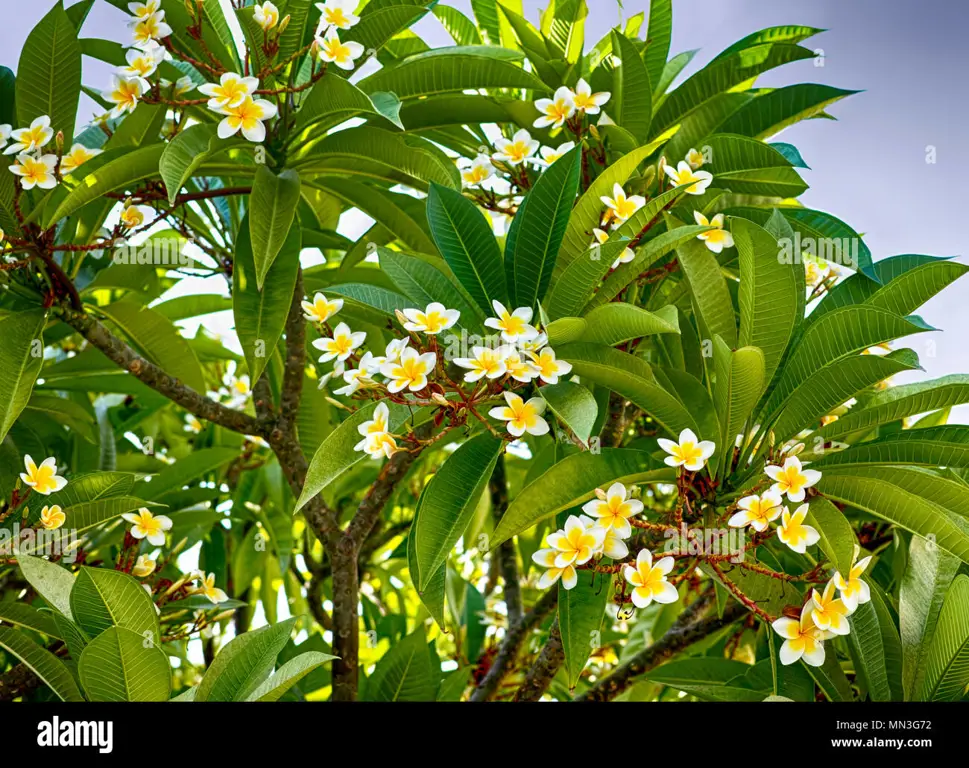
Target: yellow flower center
[(558, 110), (36, 171), (410, 370), (336, 16), (336, 50), (625, 208), (687, 452), (517, 151)]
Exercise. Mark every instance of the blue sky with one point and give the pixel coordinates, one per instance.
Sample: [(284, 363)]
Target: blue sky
[(869, 168)]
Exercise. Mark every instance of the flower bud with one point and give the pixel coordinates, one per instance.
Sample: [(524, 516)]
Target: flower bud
[(401, 317), (283, 24), (59, 141), (438, 398)]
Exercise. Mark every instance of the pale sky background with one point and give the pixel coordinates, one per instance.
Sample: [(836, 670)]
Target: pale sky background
[(869, 169)]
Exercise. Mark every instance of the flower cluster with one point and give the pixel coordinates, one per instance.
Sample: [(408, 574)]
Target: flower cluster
[(35, 167), (43, 479), (337, 15), (566, 103)]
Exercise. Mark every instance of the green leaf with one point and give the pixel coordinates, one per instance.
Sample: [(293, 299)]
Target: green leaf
[(187, 469), (433, 595), (830, 677), (52, 582), (188, 150), (581, 611), (947, 662), (876, 649), (658, 35), (925, 583), (288, 675), (448, 502), (739, 384), (119, 665), (779, 108), (21, 358), (708, 288), (335, 99), (49, 73), (50, 669), (536, 232), (468, 245), (260, 312), (837, 536), (747, 166), (573, 481), (244, 664), (404, 673), (272, 207), (575, 405), (631, 91), (611, 324), (103, 598), (707, 678), (575, 286), (28, 617), (944, 446)]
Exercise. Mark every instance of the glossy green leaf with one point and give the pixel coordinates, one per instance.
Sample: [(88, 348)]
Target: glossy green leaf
[(272, 207), (581, 611), (21, 358), (574, 405), (104, 598), (50, 669), (119, 665), (244, 664)]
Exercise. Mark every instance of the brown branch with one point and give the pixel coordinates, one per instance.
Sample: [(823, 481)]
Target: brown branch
[(18, 681), (505, 558), (548, 663)]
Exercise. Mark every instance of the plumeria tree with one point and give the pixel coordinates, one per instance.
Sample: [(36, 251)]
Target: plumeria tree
[(594, 408)]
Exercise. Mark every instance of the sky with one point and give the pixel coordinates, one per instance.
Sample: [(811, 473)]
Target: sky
[(871, 168)]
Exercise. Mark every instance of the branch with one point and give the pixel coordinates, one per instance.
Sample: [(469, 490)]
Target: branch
[(18, 681), (547, 664), (506, 555)]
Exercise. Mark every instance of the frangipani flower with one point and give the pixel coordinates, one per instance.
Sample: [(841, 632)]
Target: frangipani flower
[(694, 159), (684, 174), (230, 91), (522, 416), (124, 94), (827, 613), (337, 13), (341, 345), (321, 308), (602, 237), (144, 567), (192, 424), (434, 319), (853, 590), (514, 326), (240, 389), (549, 369), (410, 372), (557, 110), (518, 368), (550, 155), (378, 446), (247, 116), (613, 509), (534, 344), (791, 479), (516, 150), (715, 239), (794, 533), (356, 378), (28, 139), (132, 217), (36, 171), (142, 64), (481, 170), (145, 9), (613, 546), (379, 424), (757, 511), (393, 351), (802, 639), (332, 50), (44, 478), (150, 29), (623, 207), (207, 587), (690, 452), (586, 101), (649, 581), (76, 157), (180, 86), (573, 545), (265, 15), (52, 517), (145, 525)]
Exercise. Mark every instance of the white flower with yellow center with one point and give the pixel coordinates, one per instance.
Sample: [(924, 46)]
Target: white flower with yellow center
[(145, 525), (601, 238), (179, 87), (265, 15), (516, 150), (573, 545), (6, 130), (853, 590), (410, 372), (694, 159), (44, 478), (514, 326), (332, 50), (213, 593), (29, 139), (791, 478), (247, 117), (802, 639), (613, 509), (757, 511), (52, 518), (144, 567), (392, 352), (142, 64), (337, 13), (356, 378), (238, 388), (36, 171), (518, 368), (533, 344), (613, 546), (549, 369), (132, 217), (341, 345), (321, 308), (828, 613), (378, 425), (192, 424), (586, 101), (557, 110), (689, 452), (684, 174), (432, 320), (76, 157), (124, 94), (144, 10), (150, 29), (522, 416), (484, 363), (550, 155), (714, 239), (480, 170), (378, 446), (794, 533), (649, 581), (621, 205), (231, 91)]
